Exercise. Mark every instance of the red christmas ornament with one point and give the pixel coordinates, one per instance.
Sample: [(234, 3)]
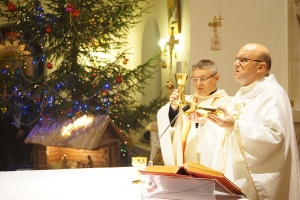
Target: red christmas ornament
[(94, 75), (49, 65), (48, 29), (11, 7), (37, 99), (119, 79), (76, 13), (70, 7)]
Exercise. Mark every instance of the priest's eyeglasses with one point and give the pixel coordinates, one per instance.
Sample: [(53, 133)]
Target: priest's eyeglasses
[(246, 60), (202, 79)]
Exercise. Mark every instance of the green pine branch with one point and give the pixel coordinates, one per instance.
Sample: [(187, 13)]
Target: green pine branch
[(64, 34)]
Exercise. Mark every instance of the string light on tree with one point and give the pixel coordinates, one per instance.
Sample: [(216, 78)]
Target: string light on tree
[(63, 34)]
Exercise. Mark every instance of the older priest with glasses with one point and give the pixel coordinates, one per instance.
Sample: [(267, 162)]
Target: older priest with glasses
[(188, 139), (258, 149)]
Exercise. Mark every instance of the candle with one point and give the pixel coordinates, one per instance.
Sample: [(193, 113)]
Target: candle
[(178, 67)]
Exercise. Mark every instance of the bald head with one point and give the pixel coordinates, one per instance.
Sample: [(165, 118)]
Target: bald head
[(260, 52), (252, 62)]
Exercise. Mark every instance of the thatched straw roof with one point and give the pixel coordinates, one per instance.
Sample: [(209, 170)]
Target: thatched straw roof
[(100, 132)]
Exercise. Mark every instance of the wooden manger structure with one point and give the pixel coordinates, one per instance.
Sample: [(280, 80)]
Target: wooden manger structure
[(60, 144)]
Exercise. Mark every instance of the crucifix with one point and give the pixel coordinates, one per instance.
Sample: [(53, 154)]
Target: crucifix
[(171, 43), (215, 40)]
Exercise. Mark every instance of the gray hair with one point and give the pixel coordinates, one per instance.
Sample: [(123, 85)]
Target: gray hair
[(206, 64)]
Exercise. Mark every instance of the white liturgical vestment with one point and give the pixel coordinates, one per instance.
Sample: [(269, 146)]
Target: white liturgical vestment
[(260, 154), (200, 145)]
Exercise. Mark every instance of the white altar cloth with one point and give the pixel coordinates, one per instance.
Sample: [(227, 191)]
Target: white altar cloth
[(70, 184)]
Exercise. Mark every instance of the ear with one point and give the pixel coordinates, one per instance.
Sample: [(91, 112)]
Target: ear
[(262, 66), (217, 76)]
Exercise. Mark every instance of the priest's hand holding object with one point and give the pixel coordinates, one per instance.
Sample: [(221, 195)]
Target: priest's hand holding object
[(226, 122)]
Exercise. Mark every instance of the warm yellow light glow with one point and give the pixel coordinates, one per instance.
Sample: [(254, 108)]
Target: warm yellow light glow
[(102, 55), (78, 123), (163, 42)]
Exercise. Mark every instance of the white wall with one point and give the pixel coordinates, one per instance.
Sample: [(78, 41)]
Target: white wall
[(262, 21), (294, 52)]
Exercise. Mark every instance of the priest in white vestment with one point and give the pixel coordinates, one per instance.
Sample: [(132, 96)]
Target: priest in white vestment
[(187, 139), (258, 149)]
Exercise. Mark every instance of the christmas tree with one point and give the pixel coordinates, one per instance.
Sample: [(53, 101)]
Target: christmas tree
[(63, 36)]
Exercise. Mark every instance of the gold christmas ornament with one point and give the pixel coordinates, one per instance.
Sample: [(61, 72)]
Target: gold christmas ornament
[(169, 85), (3, 110), (163, 64), (78, 114)]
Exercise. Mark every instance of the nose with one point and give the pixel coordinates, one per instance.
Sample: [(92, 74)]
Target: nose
[(237, 61), (237, 64)]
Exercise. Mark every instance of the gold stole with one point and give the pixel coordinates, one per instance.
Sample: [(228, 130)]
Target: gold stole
[(187, 126), (186, 129), (237, 111)]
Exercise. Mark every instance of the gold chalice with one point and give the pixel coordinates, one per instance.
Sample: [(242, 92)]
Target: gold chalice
[(181, 80), (139, 162)]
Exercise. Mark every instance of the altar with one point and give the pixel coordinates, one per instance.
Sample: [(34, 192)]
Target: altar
[(75, 184)]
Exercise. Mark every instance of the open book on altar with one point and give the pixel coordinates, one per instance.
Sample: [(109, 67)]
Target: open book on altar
[(195, 170)]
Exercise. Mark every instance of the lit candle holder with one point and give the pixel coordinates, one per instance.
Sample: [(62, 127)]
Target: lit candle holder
[(139, 163)]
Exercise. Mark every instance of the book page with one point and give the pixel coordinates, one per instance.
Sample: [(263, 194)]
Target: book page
[(198, 168), (162, 170)]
